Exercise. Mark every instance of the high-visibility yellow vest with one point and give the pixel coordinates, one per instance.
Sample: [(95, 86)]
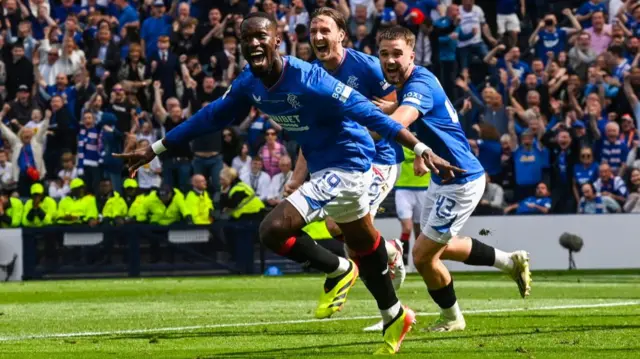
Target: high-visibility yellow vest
[(14, 212), (200, 205), (317, 230), (137, 206), (84, 209), (48, 205), (406, 178), (155, 211), (115, 207), (250, 204)]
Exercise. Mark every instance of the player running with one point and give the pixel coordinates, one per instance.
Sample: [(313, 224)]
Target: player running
[(449, 203), (320, 112), (328, 29)]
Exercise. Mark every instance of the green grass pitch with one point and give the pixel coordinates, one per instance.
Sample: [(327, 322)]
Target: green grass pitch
[(569, 315)]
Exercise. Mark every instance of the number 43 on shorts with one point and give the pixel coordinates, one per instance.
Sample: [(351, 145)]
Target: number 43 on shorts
[(444, 206)]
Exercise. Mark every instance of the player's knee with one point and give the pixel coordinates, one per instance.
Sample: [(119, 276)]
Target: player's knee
[(423, 257), (272, 232), (333, 228)]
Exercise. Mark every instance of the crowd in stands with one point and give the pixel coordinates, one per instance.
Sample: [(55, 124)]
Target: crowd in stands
[(546, 91)]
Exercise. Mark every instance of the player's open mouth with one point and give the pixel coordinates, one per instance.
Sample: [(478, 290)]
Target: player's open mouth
[(257, 58), (392, 70), (322, 49)]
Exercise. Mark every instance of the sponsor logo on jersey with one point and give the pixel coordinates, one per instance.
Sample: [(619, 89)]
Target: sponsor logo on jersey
[(384, 84), (412, 97), (342, 92), (293, 101), (290, 123)]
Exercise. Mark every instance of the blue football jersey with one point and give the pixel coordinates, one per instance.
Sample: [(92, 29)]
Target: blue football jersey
[(317, 110), (363, 73), (438, 124)]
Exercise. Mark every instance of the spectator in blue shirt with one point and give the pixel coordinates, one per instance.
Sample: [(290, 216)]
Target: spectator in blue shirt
[(529, 159), (488, 150), (67, 7), (159, 24), (538, 204), (449, 33), (594, 203), (128, 15), (586, 171), (61, 88), (586, 10), (510, 62), (610, 185), (611, 149), (547, 37)]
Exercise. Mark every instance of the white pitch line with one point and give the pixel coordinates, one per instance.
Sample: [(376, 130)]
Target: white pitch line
[(300, 321)]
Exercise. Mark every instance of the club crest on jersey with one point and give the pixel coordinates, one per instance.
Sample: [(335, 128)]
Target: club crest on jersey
[(353, 82), (293, 101)]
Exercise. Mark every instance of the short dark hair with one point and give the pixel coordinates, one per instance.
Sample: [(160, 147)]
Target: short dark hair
[(334, 15), (617, 50), (398, 32), (262, 15)]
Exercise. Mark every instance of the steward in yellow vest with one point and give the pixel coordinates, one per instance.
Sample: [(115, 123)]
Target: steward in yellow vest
[(112, 207), (133, 200), (40, 210), (164, 207), (10, 212), (198, 201), (238, 198), (79, 207)]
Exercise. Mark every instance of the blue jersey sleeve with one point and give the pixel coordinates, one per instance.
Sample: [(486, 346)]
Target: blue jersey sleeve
[(214, 117), (417, 94), (354, 105)]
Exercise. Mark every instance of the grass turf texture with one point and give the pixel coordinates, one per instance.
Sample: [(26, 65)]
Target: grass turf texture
[(215, 308)]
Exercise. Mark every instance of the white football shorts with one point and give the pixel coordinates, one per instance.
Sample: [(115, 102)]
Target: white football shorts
[(384, 177), (409, 203), (337, 193), (447, 208), (508, 23)]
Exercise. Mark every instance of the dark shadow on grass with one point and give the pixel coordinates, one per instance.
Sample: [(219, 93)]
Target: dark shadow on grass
[(317, 350)]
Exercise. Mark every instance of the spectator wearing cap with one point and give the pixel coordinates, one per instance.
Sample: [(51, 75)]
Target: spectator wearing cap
[(19, 71), (39, 210), (593, 202), (199, 202), (600, 32), (158, 24), (472, 20), (238, 198), (10, 211), (111, 206), (587, 12), (530, 160), (610, 185), (547, 37), (164, 67), (27, 149), (21, 107), (581, 56), (79, 207), (132, 198), (540, 203), (611, 149), (164, 206)]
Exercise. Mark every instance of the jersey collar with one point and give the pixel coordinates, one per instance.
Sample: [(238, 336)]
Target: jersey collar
[(344, 57), (285, 64)]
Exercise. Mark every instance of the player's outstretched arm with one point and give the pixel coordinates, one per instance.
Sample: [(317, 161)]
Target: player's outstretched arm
[(214, 117)]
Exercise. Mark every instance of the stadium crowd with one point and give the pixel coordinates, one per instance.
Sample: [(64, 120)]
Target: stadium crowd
[(547, 95)]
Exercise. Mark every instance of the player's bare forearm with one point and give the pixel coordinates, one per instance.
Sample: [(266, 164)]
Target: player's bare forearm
[(300, 171), (407, 139)]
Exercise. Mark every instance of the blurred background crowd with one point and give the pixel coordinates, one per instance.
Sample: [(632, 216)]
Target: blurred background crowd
[(547, 93)]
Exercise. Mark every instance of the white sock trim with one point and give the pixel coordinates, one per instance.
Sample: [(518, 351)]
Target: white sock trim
[(452, 313), (343, 266), (389, 314), (503, 260)]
